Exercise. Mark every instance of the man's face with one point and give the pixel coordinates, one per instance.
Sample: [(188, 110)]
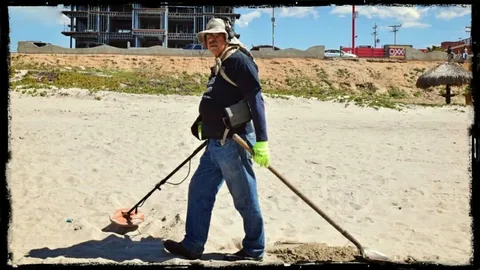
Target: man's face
[(216, 43)]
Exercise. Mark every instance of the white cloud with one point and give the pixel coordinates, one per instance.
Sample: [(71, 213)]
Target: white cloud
[(453, 12), (297, 12), (280, 12), (292, 12), (342, 10), (409, 17), (246, 18), (42, 15), (411, 24), (415, 25)]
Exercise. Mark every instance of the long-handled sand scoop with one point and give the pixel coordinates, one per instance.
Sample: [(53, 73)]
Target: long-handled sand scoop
[(132, 218), (367, 254)]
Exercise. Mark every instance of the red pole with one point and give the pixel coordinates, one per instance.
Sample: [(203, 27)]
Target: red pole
[(353, 29)]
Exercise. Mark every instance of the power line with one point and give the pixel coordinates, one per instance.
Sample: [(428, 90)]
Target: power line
[(395, 30)]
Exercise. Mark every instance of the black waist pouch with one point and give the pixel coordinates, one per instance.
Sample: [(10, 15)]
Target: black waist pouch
[(235, 118)]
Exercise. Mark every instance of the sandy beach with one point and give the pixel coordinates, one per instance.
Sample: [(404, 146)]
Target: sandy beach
[(396, 180)]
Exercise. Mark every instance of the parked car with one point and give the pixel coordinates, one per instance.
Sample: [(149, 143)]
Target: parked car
[(332, 53), (194, 47)]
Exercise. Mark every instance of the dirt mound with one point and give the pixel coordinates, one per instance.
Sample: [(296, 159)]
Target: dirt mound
[(313, 252)]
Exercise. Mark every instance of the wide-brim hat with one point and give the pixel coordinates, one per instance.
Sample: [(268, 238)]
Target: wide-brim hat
[(214, 26)]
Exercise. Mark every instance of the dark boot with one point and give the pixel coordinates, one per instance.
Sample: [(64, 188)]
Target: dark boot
[(178, 249), (241, 256)]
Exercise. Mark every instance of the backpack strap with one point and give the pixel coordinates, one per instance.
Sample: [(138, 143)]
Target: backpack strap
[(222, 73), (227, 130), (234, 47)]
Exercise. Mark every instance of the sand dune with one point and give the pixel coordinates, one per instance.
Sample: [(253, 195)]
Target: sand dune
[(397, 181)]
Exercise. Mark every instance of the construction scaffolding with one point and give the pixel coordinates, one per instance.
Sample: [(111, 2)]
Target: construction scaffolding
[(139, 26)]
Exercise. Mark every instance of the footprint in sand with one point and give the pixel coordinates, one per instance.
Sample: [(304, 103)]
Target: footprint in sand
[(112, 199), (355, 206), (332, 177), (90, 200), (415, 190), (368, 220), (330, 168)]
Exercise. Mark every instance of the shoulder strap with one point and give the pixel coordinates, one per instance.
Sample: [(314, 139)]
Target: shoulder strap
[(222, 73), (247, 53), (235, 48)]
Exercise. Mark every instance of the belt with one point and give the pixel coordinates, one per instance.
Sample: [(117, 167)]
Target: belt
[(226, 134)]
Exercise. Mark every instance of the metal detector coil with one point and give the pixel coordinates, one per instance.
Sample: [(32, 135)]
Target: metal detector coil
[(126, 218)]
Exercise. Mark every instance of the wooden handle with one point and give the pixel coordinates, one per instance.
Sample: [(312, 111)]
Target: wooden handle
[(242, 143)]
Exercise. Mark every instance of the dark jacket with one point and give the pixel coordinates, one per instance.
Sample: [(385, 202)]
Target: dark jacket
[(220, 94)]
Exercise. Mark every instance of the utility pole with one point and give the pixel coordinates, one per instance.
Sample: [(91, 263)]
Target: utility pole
[(395, 30), (273, 29), (375, 36), (468, 29), (354, 15)]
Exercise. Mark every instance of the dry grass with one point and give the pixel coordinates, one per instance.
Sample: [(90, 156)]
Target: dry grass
[(378, 84)]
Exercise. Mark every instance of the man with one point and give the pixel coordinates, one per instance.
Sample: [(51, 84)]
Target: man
[(234, 78), (449, 54), (465, 54)]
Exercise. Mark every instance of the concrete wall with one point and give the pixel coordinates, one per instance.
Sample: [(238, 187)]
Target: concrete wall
[(417, 55), (312, 52), (29, 47)]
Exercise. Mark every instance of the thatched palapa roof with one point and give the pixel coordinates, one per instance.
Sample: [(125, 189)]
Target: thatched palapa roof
[(448, 73)]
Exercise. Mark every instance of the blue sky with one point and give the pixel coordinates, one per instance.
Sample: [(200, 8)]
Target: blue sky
[(296, 27)]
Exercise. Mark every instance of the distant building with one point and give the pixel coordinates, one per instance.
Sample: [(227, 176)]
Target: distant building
[(444, 45), (458, 47), (139, 25)]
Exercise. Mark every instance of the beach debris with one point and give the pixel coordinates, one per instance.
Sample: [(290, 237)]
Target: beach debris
[(77, 227)]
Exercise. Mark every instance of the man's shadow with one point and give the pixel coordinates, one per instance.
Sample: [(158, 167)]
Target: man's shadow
[(117, 247)]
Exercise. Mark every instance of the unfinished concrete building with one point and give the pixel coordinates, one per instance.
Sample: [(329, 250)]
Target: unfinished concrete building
[(139, 25)]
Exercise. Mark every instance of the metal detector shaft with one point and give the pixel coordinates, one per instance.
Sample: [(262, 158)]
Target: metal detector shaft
[(242, 143), (167, 177)]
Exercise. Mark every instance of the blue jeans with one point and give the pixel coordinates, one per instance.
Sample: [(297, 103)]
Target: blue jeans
[(234, 165)]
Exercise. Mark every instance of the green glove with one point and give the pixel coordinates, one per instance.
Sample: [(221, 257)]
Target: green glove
[(200, 130), (261, 154)]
